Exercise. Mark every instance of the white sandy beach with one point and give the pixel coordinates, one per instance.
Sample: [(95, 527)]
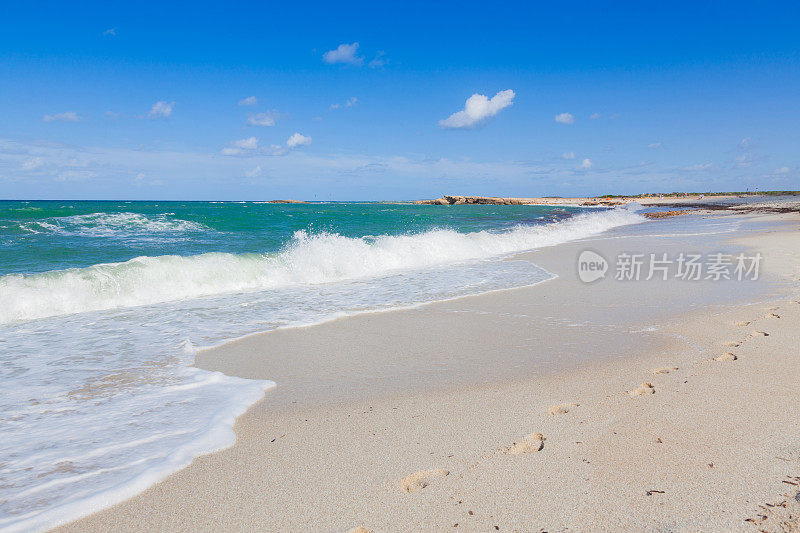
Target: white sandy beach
[(658, 406)]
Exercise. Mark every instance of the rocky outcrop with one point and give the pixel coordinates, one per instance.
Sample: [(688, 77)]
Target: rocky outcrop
[(472, 200), (497, 200)]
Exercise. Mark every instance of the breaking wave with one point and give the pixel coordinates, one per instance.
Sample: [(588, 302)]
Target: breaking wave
[(305, 259)]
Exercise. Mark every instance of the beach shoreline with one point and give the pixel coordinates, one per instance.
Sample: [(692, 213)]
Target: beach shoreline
[(332, 449)]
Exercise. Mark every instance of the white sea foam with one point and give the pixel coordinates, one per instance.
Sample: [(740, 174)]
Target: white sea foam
[(307, 259), (120, 225)]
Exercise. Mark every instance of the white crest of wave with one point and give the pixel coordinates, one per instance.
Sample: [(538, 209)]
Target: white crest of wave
[(113, 225), (307, 259)]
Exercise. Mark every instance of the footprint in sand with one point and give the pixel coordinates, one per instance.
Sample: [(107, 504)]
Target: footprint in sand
[(562, 408), (423, 478), (726, 357), (772, 315), (532, 443), (665, 369), (742, 323), (359, 529), (733, 344), (758, 333), (644, 388)]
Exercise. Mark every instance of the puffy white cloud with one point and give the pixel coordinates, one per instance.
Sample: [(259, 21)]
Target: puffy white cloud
[(586, 163), (568, 155), (478, 109), (250, 100), (241, 146), (295, 141), (262, 119), (565, 118), (110, 31), (594, 116), (161, 109), (654, 145), (349, 103), (69, 116), (344, 53), (251, 143), (298, 140)]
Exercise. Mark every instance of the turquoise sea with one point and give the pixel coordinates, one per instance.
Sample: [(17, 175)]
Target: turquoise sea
[(104, 305)]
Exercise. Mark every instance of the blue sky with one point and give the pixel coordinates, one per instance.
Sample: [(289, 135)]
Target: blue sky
[(260, 100)]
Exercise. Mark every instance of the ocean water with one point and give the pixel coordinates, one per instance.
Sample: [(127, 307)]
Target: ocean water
[(104, 304)]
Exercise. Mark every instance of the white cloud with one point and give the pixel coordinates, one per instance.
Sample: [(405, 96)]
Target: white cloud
[(161, 109), (298, 140), (253, 172), (262, 119), (349, 103), (565, 118), (36, 162), (747, 142), (379, 60), (568, 155), (782, 170), (251, 143), (586, 163), (295, 141), (478, 109), (344, 53), (241, 146), (69, 116), (110, 31), (699, 166), (250, 100), (654, 145), (594, 116)]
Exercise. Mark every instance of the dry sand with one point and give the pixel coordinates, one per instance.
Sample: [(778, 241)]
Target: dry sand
[(557, 407)]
